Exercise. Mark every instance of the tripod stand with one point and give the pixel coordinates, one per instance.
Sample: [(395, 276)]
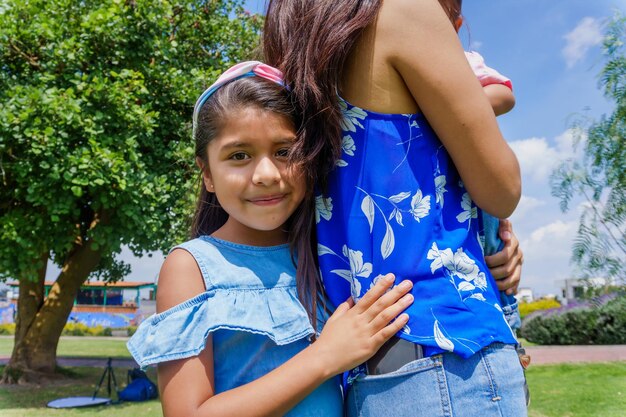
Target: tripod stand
[(110, 375)]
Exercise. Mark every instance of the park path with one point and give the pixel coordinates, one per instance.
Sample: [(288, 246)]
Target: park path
[(571, 354), (540, 355)]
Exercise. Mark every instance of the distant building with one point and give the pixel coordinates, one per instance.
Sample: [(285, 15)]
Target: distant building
[(525, 295), (98, 303), (575, 288)]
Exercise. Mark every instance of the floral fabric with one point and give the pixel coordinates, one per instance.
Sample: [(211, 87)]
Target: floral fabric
[(396, 203)]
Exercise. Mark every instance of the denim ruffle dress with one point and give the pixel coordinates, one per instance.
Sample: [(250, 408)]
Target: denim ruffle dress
[(251, 309), (396, 203)]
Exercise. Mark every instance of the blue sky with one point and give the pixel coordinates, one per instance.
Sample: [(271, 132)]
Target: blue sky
[(551, 50)]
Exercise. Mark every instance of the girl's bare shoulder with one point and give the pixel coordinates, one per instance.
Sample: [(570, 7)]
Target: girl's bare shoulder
[(179, 280)]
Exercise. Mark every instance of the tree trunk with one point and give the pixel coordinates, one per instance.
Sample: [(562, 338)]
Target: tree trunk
[(40, 321)]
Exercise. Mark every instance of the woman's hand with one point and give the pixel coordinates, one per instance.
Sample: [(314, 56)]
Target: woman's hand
[(506, 265), (356, 331)]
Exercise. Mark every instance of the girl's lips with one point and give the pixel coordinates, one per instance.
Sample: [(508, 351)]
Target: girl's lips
[(267, 200)]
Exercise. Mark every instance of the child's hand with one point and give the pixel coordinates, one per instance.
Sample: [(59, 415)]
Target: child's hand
[(506, 265), (355, 332)]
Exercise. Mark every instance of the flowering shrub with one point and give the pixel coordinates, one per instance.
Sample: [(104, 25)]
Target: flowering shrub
[(543, 304), (80, 329), (7, 328), (599, 321)]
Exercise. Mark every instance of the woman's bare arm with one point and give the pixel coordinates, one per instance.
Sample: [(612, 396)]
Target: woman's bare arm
[(416, 39)]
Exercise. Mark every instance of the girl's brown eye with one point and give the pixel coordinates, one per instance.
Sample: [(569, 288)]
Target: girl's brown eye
[(283, 153), (239, 156)]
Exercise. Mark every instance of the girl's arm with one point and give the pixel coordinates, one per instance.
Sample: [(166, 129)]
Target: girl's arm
[(417, 40), (351, 335)]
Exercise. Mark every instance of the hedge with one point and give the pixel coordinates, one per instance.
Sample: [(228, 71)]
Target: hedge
[(579, 325)]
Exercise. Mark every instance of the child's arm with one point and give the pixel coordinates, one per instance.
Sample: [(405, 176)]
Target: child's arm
[(500, 97), (497, 87), (506, 265), (351, 335)]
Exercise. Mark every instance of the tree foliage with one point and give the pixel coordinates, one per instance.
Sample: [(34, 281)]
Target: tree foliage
[(599, 177), (95, 142), (95, 103)]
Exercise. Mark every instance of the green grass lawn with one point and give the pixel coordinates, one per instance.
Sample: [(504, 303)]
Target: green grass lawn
[(578, 390), (79, 347), (566, 390), (17, 401)]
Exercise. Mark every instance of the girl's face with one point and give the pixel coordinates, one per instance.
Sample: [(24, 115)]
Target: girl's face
[(247, 170)]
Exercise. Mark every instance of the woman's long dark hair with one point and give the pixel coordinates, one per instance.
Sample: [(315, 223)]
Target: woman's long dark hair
[(452, 8), (210, 216), (309, 41)]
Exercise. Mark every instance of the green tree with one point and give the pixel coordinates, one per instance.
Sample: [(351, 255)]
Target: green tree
[(599, 177), (95, 145)]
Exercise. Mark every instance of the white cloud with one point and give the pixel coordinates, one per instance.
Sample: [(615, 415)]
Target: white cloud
[(538, 158), (587, 34), (475, 45), (547, 253), (527, 205), (557, 230)]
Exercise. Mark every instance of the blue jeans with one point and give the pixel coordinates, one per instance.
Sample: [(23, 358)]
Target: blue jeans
[(489, 383)]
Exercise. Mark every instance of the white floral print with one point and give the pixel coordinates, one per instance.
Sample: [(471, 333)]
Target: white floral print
[(347, 147), (462, 271), (440, 184), (442, 341), (469, 210), (351, 117), (323, 208), (420, 208), (358, 268)]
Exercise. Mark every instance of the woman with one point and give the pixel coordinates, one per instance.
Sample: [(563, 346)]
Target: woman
[(398, 136)]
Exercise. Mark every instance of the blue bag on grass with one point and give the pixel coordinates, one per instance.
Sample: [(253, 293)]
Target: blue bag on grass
[(139, 387)]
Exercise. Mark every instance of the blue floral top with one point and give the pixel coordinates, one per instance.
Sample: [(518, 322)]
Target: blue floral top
[(396, 203)]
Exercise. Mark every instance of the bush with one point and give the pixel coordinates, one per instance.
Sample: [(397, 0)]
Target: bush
[(612, 321), (543, 304), (603, 323), (7, 328), (130, 330), (80, 329)]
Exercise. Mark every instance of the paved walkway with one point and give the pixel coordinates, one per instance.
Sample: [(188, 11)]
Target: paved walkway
[(570, 354), (540, 355)]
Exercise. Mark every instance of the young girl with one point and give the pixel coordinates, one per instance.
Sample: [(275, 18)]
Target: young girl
[(231, 336), (401, 135)]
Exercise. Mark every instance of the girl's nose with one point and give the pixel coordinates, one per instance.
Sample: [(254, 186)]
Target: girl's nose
[(266, 172)]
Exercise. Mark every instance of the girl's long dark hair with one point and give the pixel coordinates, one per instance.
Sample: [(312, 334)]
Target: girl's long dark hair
[(309, 40), (210, 216)]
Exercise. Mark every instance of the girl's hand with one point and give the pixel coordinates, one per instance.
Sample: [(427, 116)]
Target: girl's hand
[(506, 265), (355, 332)]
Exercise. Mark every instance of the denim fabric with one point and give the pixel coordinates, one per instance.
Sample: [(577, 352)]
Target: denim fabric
[(251, 309), (493, 244), (488, 384)]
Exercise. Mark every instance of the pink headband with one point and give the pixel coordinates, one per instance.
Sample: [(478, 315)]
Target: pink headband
[(241, 70)]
